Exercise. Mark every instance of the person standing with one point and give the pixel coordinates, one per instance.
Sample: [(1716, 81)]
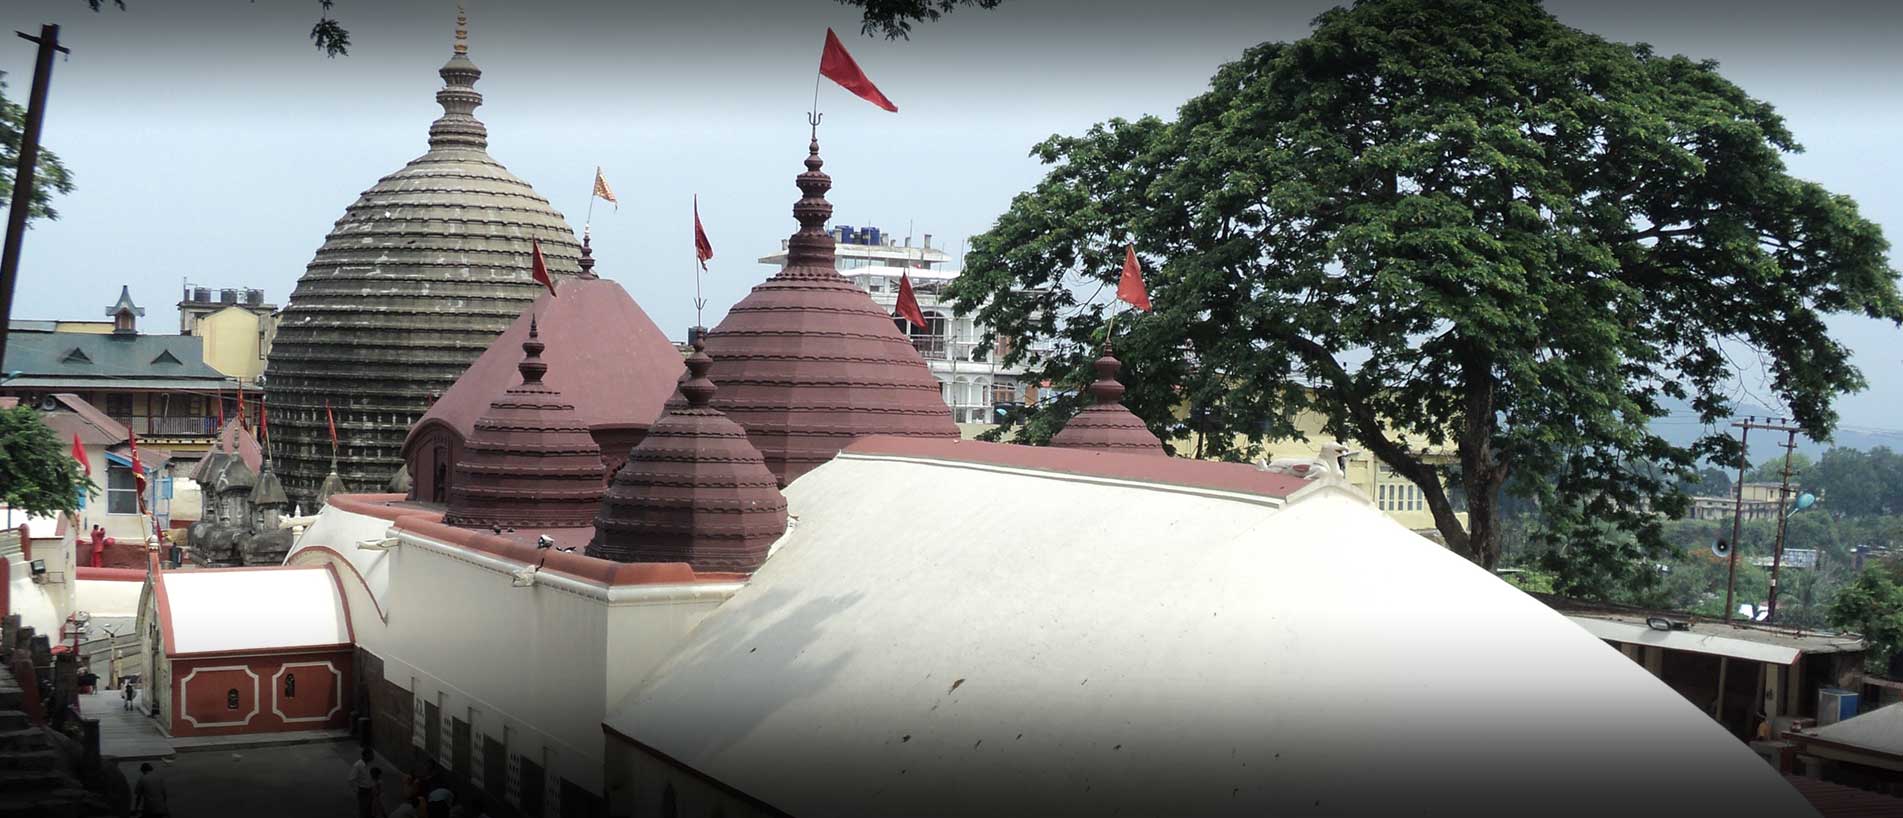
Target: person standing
[(362, 777), (149, 796), (99, 547)]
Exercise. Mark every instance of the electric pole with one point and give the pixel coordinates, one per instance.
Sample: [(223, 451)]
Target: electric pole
[(23, 171), (1783, 518), (1737, 519)]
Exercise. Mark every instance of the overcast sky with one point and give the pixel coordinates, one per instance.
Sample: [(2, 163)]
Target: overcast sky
[(209, 140)]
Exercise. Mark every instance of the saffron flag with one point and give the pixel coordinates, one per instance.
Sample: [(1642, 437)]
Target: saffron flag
[(241, 418), (539, 270), (836, 65), (703, 249), (79, 454), (908, 302), (1130, 288), (332, 421), (602, 191), (221, 410)]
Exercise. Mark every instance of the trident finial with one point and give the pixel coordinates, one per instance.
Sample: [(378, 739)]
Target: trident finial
[(462, 29)]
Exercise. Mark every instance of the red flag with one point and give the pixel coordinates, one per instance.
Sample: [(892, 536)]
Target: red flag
[(332, 420), (241, 420), (703, 249), (264, 423), (79, 454), (221, 410), (539, 271), (1130, 288), (836, 65), (908, 303)]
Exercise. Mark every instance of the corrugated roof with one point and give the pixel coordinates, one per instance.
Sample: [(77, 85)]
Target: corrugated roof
[(77, 417), (53, 359), (1092, 646), (1737, 638), (1839, 801)]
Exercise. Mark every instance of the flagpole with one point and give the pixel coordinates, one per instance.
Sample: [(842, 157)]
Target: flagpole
[(590, 218)]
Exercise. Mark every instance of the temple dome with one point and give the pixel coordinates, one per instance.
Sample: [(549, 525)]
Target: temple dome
[(422, 272), (808, 362), (529, 461), (694, 491), (1107, 425)]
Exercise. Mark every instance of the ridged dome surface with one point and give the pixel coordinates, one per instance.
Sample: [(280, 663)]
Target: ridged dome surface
[(530, 463), (693, 491), (808, 362), (1107, 425), (420, 275)]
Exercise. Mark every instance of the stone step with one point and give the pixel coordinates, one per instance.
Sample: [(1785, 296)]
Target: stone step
[(14, 720), (32, 760), (11, 697), (65, 802), (19, 781), (22, 740)]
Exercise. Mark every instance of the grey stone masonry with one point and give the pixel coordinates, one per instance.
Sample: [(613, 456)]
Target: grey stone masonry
[(422, 272)]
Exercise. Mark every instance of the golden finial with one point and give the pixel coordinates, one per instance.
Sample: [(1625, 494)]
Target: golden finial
[(462, 30)]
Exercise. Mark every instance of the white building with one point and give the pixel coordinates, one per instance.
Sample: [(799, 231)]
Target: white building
[(975, 384)]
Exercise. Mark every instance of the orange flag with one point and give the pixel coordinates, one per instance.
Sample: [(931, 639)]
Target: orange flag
[(908, 303), (1130, 288), (836, 65), (539, 270)]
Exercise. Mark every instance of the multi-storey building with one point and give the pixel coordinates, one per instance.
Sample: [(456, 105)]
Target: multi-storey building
[(237, 327), (975, 383)]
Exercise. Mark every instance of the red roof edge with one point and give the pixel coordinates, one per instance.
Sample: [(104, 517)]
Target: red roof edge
[(110, 574), (1241, 478)]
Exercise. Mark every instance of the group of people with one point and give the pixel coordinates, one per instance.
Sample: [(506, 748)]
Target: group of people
[(425, 795)]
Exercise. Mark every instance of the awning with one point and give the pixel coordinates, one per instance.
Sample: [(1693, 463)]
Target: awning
[(1691, 641)]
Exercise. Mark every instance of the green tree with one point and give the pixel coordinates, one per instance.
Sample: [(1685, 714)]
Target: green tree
[(1771, 469), (1462, 222), (50, 175), (894, 18), (37, 472), (1872, 605)]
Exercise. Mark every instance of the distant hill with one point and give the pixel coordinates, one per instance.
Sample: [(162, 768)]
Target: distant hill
[(1682, 427)]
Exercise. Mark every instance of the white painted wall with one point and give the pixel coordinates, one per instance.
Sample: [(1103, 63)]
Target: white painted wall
[(538, 667)]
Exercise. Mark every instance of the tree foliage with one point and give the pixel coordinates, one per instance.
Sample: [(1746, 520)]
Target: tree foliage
[(1872, 605), (894, 18), (37, 472), (1451, 223), (50, 176)]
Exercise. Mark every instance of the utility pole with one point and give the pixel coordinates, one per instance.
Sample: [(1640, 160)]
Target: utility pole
[(1737, 516), (1737, 519), (23, 172), (1783, 518)]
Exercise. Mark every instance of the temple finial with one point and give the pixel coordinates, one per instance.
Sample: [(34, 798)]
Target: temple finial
[(532, 366), (462, 30)]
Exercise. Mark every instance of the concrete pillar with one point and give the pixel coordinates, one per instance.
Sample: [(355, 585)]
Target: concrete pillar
[(1655, 661), (1774, 687)]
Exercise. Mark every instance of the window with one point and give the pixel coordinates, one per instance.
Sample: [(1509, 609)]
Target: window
[(122, 492), (119, 406), (231, 699), (290, 685)]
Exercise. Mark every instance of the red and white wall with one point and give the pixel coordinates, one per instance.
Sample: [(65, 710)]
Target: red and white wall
[(214, 695)]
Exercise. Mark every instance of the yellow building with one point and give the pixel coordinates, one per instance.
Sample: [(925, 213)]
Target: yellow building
[(1391, 493), (237, 340)]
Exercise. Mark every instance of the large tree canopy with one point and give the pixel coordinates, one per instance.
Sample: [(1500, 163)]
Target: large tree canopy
[(38, 475), (1451, 223), (50, 175)]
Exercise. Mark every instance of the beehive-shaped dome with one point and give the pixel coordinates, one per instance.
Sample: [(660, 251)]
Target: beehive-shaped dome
[(530, 462), (1107, 425), (808, 362), (693, 491), (412, 284)]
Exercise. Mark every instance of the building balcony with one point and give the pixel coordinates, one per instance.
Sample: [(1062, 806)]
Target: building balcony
[(169, 426)]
